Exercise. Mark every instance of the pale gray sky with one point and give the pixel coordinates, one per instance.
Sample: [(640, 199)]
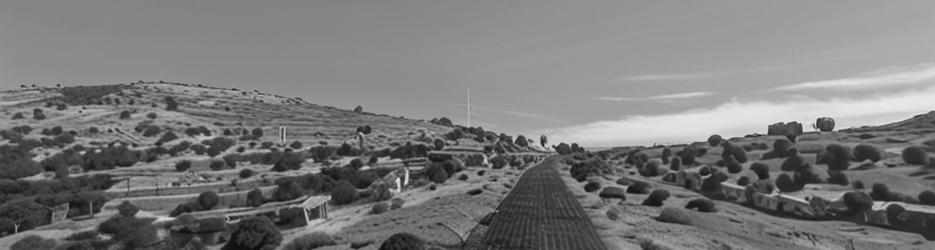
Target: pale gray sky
[(598, 72)]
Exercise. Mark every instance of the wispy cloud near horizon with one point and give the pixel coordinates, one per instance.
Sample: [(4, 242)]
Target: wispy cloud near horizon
[(737, 118), (886, 77), (666, 77), (666, 97)]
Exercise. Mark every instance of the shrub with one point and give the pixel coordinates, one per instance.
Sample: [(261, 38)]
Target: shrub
[(183, 166), (436, 173), (208, 200), (865, 152), (83, 235), (761, 170), (153, 130), (651, 169), (344, 193), (498, 162), (793, 163), (38, 114), (714, 140), (927, 197), (475, 191), (396, 203), (19, 168), (785, 184), (674, 215), (689, 153), (257, 132), (125, 115), (837, 177), (639, 187), (127, 209), (463, 177), (592, 186), (217, 165), (713, 183), (582, 170), (246, 173), (675, 164), (255, 198), (613, 213), (656, 198), (403, 241), (296, 145), (613, 193), (33, 242), (857, 202), (167, 137), (130, 231), (915, 155), (780, 149), (151, 115), (702, 204), (379, 208), (743, 181), (734, 167), (857, 184), (836, 156), (17, 116), (171, 104), (257, 232), (310, 241), (880, 192), (735, 152)]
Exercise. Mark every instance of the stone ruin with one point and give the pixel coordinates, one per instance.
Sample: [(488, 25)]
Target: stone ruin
[(791, 128)]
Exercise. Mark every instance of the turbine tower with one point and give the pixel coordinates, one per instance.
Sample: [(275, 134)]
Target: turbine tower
[(469, 106)]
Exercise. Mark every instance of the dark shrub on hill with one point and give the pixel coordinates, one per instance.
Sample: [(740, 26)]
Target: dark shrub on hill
[(132, 232), (152, 130), (915, 155), (28, 213), (705, 170), (837, 177), (734, 167), (613, 193), (638, 187), (231, 160), (785, 183), (127, 209), (702, 204), (463, 177), (355, 164), (321, 153), (266, 145), (865, 152), (379, 208), (592, 186), (257, 232), (743, 181), (347, 150), (344, 193), (563, 149), (857, 202), (57, 130), (151, 115), (836, 156), (715, 140), (656, 198), (713, 183), (582, 170), (289, 161), (522, 141), (793, 163), (436, 173), (218, 145), (200, 130), (33, 242), (177, 149), (311, 240), (183, 166), (674, 215), (857, 184), (25, 129), (689, 153), (17, 116), (19, 168), (255, 197), (761, 170), (675, 164), (439, 144), (651, 169), (246, 173), (38, 114), (125, 114), (927, 197), (208, 200), (171, 104), (167, 137), (666, 156), (498, 162), (736, 152), (780, 149), (217, 165), (403, 241)]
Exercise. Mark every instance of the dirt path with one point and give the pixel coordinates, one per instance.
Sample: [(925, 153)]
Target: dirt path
[(541, 213)]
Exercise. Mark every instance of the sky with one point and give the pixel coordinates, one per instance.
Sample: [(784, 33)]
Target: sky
[(600, 73)]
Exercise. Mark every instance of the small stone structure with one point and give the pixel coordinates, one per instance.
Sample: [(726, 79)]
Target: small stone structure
[(790, 128)]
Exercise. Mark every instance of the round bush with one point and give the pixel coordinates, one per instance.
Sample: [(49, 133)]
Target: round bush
[(705, 170), (403, 241), (761, 170), (183, 166), (714, 140), (379, 208), (463, 177), (880, 192), (437, 173), (927, 197), (475, 191), (592, 186), (836, 156), (344, 193), (865, 152), (246, 173), (217, 165), (656, 198), (255, 198), (857, 201), (666, 155), (613, 213), (127, 209), (256, 232), (310, 241), (208, 200), (793, 163), (743, 181), (837, 177), (33, 242), (613, 193), (785, 184), (702, 204), (396, 203), (857, 184), (651, 169), (675, 164), (915, 155), (736, 152), (639, 187), (674, 215), (734, 167)]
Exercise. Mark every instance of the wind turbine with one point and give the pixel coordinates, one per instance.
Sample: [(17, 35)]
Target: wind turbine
[(470, 113)]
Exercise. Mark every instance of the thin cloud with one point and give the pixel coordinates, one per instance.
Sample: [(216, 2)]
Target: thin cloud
[(666, 97), (736, 118), (511, 113), (665, 77), (883, 78)]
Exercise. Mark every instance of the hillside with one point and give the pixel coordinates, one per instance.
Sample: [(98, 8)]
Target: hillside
[(81, 108)]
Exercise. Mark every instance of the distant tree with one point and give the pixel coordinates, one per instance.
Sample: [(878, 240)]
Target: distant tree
[(258, 132), (543, 140), (208, 200), (255, 198), (254, 233), (521, 141), (359, 109)]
